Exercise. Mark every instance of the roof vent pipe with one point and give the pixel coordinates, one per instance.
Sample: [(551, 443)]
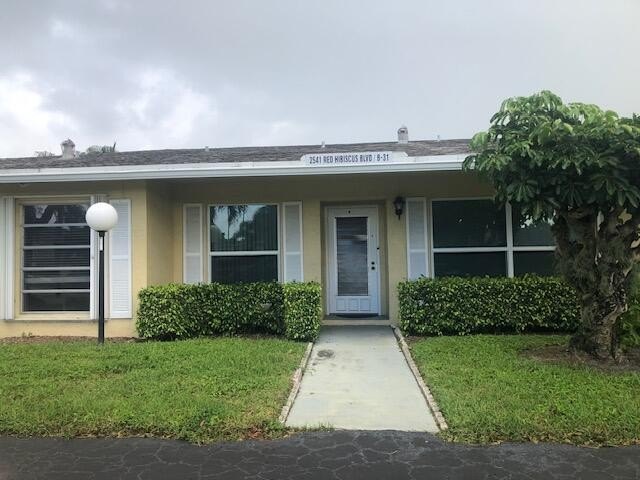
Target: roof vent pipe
[(68, 149), (403, 135)]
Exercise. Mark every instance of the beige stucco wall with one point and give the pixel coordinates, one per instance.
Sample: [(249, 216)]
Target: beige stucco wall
[(160, 234), (318, 192), (157, 227), (65, 324)]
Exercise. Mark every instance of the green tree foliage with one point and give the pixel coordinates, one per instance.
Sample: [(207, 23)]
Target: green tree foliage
[(579, 167)]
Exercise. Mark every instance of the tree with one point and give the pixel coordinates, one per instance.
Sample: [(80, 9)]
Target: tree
[(578, 167)]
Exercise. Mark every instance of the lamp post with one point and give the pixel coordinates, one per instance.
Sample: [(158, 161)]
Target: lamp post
[(101, 217)]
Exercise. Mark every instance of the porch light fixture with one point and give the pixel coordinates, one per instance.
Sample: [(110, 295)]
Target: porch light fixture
[(398, 205), (101, 217)]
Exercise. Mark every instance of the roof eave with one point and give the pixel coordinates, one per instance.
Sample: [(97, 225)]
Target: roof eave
[(224, 170)]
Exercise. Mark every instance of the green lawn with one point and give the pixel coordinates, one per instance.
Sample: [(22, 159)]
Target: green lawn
[(488, 392), (198, 390)]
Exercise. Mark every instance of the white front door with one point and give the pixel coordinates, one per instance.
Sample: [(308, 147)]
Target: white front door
[(353, 258)]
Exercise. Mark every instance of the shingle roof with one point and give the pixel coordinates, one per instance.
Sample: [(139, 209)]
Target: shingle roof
[(233, 154)]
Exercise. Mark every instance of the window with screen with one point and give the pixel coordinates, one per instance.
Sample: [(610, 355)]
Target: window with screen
[(243, 243), (55, 258)]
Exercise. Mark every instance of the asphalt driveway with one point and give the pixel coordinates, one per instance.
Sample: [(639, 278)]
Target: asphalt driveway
[(339, 455)]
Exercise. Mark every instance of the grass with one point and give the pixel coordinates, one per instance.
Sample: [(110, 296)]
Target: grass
[(198, 390), (489, 392)]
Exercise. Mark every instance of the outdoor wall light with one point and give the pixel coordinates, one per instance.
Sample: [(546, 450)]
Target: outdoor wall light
[(101, 217), (398, 205)]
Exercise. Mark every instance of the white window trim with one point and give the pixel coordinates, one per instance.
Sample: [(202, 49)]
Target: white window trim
[(244, 253), (284, 241), (508, 249), (36, 200), (200, 254)]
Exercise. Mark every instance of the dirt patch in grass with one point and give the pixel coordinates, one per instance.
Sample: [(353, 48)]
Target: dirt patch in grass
[(560, 354), (34, 339)]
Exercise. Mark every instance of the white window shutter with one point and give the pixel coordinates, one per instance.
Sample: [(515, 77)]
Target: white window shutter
[(292, 235), (120, 305), (192, 244), (416, 217), (7, 239)]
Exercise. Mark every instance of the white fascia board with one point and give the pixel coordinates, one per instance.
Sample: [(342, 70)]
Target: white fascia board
[(225, 169)]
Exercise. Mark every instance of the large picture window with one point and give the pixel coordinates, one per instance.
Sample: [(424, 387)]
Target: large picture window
[(479, 238), (243, 243), (55, 258)]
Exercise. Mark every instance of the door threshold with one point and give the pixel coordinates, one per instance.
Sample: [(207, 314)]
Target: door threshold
[(374, 320)]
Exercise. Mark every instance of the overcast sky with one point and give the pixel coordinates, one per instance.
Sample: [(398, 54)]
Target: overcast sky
[(164, 74)]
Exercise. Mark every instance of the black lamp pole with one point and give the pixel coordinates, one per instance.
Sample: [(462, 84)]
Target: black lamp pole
[(101, 291)]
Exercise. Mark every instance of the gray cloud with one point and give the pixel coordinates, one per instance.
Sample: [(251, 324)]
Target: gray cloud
[(158, 74)]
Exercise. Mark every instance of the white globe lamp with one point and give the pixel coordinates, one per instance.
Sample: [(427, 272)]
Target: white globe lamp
[(101, 217)]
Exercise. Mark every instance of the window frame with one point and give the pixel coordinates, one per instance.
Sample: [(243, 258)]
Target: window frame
[(244, 253), (508, 249), (19, 248)]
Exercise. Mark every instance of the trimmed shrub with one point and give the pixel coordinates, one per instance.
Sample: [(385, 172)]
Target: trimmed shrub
[(460, 306), (178, 311), (302, 310)]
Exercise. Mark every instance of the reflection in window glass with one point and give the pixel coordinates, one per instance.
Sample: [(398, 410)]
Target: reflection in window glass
[(468, 223), (540, 263), (243, 230), (470, 264), (237, 228), (55, 258), (528, 233)]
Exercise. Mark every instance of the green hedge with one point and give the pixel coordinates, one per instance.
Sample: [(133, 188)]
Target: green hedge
[(302, 310), (459, 306), (178, 311)]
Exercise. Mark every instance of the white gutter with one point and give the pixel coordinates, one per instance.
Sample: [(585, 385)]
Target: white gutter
[(433, 163)]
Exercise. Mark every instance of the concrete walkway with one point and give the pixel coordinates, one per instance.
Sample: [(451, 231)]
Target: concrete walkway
[(358, 379)]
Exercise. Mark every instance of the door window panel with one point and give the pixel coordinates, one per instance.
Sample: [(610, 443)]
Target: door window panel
[(351, 255)]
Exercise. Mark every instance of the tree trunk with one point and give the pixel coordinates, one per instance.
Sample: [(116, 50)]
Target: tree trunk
[(595, 256), (598, 334)]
